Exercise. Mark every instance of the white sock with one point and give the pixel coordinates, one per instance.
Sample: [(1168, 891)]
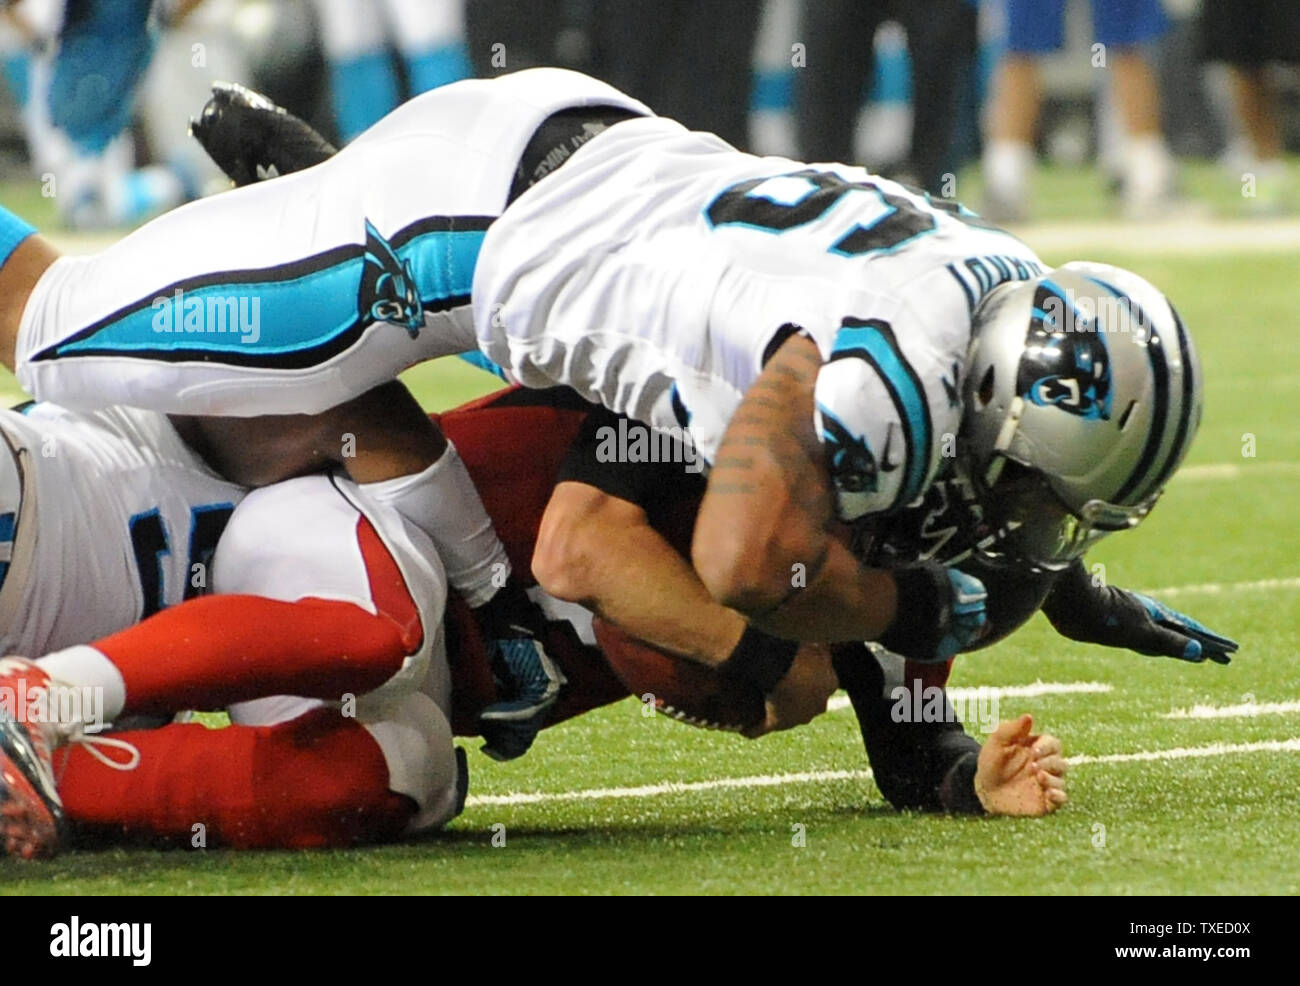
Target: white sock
[(1148, 172), (443, 502), (96, 693), (1007, 167)]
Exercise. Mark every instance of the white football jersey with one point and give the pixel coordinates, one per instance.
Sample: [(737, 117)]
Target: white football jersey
[(104, 517), (658, 268)]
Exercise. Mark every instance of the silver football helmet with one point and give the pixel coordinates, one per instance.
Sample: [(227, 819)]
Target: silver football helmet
[(1082, 396)]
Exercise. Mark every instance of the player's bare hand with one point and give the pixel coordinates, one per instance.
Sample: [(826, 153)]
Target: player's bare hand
[(1020, 773), (801, 695)]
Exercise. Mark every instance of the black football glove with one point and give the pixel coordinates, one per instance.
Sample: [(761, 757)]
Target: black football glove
[(940, 611), (1115, 617), (527, 680)]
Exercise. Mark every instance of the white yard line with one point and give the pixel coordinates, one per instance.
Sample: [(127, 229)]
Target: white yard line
[(1246, 710), (1234, 470), (1193, 752), (669, 787), (1216, 588), (827, 776), (973, 694)]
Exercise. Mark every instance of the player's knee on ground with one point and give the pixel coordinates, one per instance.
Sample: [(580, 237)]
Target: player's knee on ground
[(414, 787), (416, 740), (321, 782), (326, 784)]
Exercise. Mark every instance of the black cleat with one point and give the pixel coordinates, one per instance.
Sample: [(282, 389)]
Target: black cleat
[(252, 139)]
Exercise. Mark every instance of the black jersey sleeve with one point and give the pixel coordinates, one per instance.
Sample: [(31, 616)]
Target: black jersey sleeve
[(599, 458), (921, 766)]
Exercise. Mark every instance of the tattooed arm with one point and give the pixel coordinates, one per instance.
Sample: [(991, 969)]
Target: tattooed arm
[(766, 542)]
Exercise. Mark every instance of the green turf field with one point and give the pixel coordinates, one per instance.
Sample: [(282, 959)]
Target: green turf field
[(619, 803)]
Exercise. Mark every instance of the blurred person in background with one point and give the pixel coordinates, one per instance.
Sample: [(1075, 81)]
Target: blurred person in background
[(29, 30), (1120, 29), (941, 41), (196, 50), (76, 67), (687, 60), (358, 36), (1250, 36), (506, 36)]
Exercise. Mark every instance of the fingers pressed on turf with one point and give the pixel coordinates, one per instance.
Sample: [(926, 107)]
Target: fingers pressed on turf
[(764, 727)]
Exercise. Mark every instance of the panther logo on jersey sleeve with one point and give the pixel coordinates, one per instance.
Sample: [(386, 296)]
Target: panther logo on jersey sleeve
[(852, 466), (1065, 363), (388, 292), (873, 420)]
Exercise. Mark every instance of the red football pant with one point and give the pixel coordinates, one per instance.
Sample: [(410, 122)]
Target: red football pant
[(316, 781)]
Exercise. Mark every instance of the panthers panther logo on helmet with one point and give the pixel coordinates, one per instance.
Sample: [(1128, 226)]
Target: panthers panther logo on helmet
[(1065, 363)]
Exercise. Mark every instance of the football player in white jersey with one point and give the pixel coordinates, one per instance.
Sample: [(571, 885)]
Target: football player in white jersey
[(124, 510), (809, 327), (314, 590)]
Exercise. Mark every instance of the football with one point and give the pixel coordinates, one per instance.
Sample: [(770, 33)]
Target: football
[(678, 687)]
